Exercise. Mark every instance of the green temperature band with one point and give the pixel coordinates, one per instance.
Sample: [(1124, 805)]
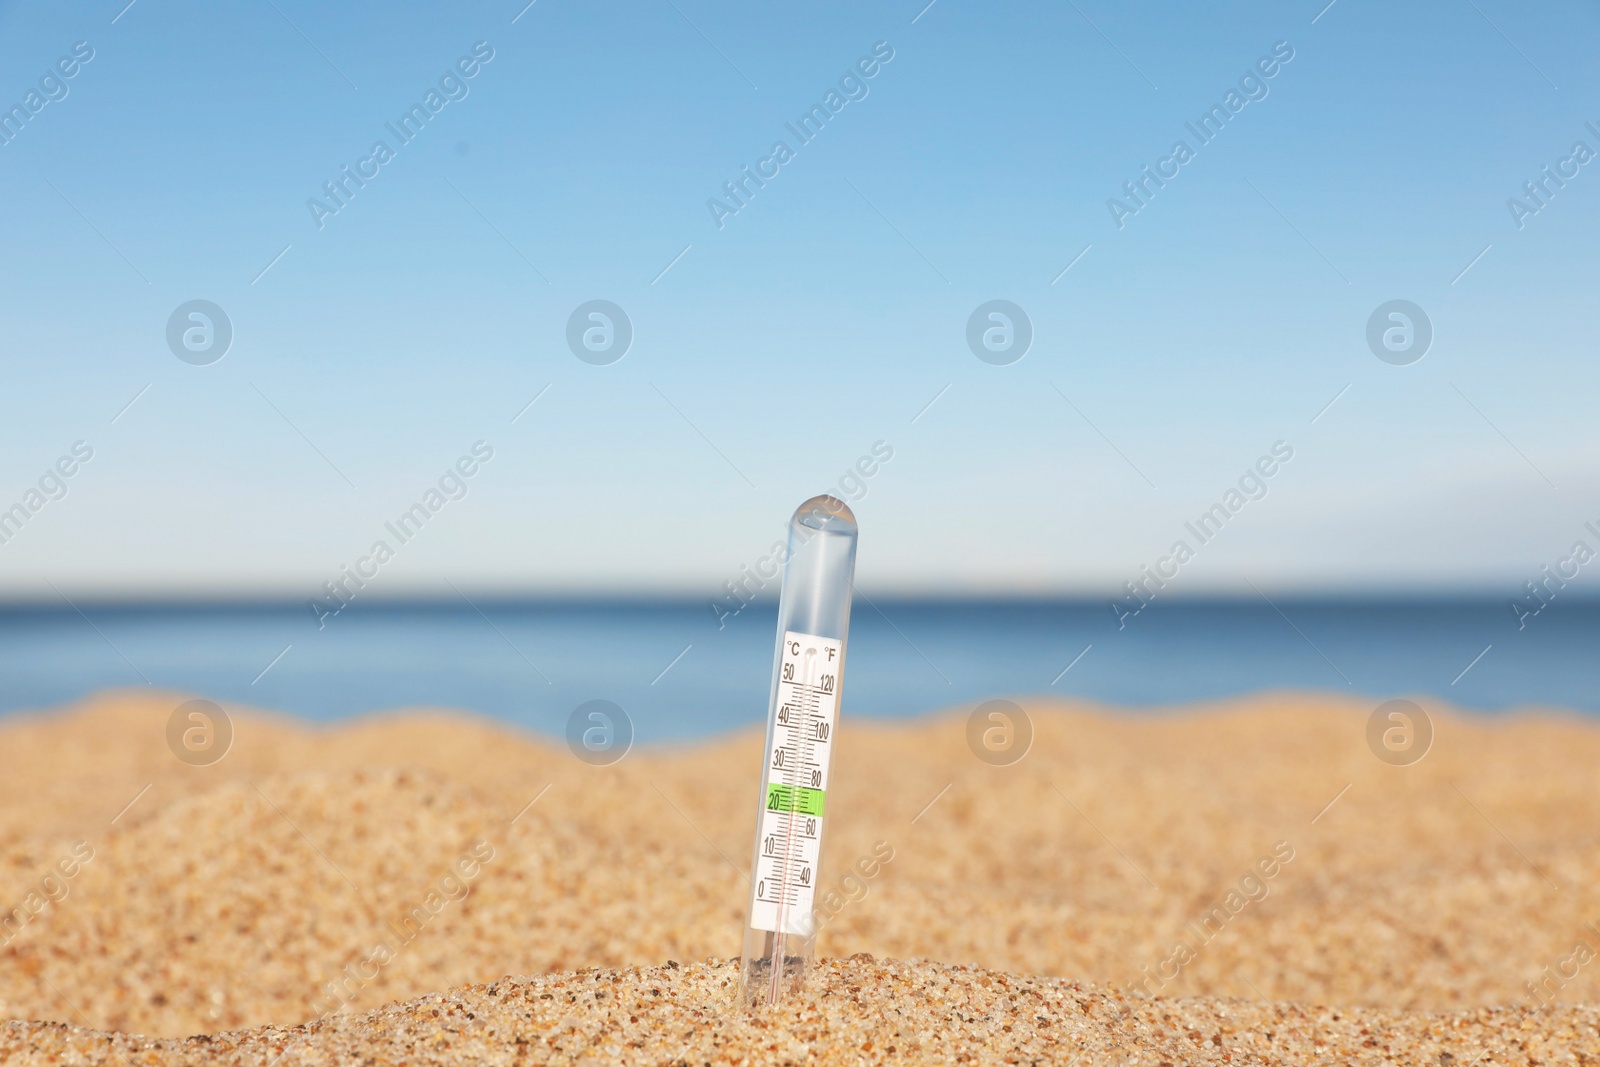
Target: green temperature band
[(805, 801)]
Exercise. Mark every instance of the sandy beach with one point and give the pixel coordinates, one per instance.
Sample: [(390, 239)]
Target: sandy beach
[(1248, 872), (858, 1011)]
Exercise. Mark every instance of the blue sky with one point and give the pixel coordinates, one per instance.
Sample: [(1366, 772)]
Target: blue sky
[(770, 354)]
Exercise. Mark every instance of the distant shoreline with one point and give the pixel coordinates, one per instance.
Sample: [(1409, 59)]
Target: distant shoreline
[(681, 676)]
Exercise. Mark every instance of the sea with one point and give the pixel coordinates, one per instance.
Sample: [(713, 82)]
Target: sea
[(680, 673)]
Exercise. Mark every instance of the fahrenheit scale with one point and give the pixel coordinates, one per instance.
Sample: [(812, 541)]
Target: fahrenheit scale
[(813, 623)]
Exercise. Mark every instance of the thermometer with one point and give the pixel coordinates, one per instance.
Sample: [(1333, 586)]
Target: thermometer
[(808, 668)]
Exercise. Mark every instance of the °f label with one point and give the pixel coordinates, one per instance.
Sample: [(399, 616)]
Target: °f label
[(797, 783)]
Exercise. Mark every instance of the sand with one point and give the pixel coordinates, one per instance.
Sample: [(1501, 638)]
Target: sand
[(855, 1011), (336, 871)]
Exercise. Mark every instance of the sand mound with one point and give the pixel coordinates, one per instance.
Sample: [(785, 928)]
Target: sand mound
[(1257, 850), (853, 1011)]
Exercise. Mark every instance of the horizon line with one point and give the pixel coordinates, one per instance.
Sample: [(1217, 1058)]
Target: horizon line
[(465, 600)]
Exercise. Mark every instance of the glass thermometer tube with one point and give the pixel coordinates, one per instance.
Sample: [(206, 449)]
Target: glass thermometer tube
[(813, 622)]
